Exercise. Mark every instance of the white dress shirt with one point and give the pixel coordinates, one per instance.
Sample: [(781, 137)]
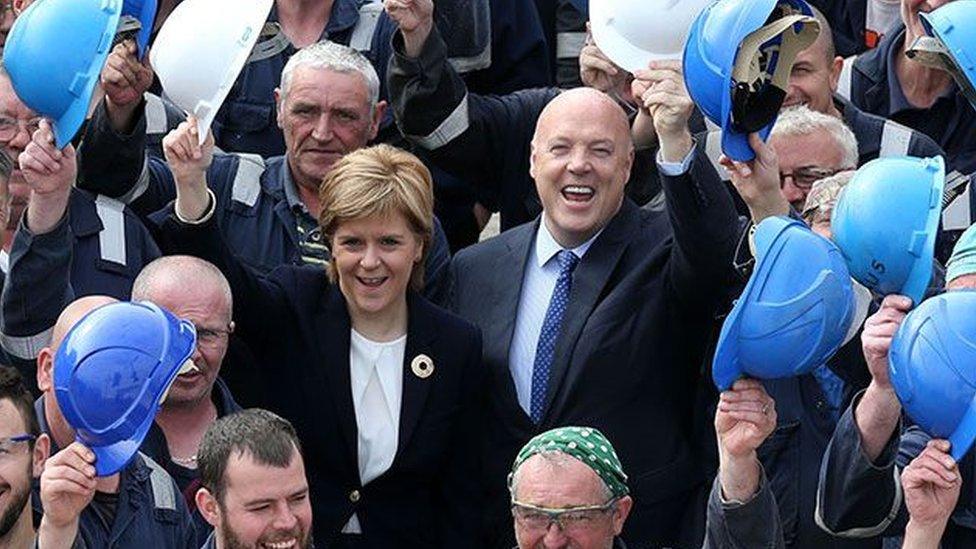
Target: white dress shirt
[(376, 375), (541, 274)]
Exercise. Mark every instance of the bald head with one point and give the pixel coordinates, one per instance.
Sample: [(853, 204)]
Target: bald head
[(73, 313), (182, 278), (583, 106)]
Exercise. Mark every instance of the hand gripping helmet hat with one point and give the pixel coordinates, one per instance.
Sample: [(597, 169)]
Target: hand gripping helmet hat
[(794, 312), (112, 372), (634, 32), (54, 56), (138, 17), (951, 43), (202, 48), (932, 365), (737, 64), (886, 220)]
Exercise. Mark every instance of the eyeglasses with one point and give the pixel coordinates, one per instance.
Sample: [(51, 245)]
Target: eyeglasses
[(570, 520), (8, 444), (10, 126), (804, 178), (207, 337)]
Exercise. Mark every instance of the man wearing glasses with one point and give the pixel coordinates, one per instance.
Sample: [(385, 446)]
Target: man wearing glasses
[(569, 489), (23, 450)]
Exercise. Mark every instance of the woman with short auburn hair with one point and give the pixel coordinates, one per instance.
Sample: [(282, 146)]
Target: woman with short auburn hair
[(384, 388)]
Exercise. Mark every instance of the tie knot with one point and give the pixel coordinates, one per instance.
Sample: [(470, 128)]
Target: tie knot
[(567, 261)]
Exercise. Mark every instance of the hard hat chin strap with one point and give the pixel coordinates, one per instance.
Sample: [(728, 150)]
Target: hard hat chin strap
[(761, 74), (931, 52)]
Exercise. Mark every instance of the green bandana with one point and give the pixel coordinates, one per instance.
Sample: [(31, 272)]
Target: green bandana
[(585, 444)]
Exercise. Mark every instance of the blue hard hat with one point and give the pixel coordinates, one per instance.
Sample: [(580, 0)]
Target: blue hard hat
[(711, 53), (932, 366), (54, 55), (145, 12), (795, 309), (954, 24), (885, 223), (111, 373)]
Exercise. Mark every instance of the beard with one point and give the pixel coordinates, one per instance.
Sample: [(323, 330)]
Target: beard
[(232, 541), (18, 502)]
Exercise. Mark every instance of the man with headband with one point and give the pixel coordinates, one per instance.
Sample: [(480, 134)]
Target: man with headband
[(569, 489)]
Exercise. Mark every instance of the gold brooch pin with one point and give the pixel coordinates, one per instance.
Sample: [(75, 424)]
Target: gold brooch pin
[(422, 366)]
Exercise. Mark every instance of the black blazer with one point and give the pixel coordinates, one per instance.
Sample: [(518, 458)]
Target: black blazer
[(298, 325), (627, 361)]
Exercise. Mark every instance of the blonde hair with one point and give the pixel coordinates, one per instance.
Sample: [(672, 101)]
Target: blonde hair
[(379, 181)]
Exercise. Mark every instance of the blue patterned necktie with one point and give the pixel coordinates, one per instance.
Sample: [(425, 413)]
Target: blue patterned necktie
[(550, 333)]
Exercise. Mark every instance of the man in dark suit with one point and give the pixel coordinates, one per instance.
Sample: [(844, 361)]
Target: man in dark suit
[(599, 312)]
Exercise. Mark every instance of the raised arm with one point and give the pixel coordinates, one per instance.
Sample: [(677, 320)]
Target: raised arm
[(471, 136), (700, 209), (41, 249), (191, 228), (742, 511), (112, 158), (859, 492)]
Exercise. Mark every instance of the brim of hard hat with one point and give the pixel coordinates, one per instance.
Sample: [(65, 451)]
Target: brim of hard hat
[(147, 18), (205, 109), (623, 54), (920, 276), (68, 124), (112, 458), (965, 434), (963, 70), (726, 366)]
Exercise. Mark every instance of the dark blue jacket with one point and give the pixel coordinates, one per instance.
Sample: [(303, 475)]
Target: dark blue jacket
[(859, 498), (791, 458), (483, 139), (950, 122), (299, 325), (247, 120), (253, 211), (98, 248), (847, 20), (156, 447), (642, 302), (150, 512)]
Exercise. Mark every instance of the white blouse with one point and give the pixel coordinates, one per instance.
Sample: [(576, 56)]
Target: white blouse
[(376, 373)]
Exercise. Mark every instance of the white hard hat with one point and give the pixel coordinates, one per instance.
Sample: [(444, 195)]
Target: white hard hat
[(202, 48), (634, 32)]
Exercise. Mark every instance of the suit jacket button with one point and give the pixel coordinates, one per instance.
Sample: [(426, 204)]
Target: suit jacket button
[(354, 496)]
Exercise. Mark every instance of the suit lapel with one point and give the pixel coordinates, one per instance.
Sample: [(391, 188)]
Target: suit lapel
[(503, 304), (333, 325), (421, 334), (589, 279)]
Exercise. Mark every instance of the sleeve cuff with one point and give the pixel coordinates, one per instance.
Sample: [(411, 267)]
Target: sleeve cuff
[(676, 169), (211, 208)]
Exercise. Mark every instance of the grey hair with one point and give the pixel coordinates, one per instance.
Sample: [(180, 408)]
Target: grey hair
[(801, 121), (184, 270), (334, 57), (559, 461)]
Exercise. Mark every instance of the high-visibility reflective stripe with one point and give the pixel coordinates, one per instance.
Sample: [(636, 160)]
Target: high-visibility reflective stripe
[(895, 139), (111, 239), (362, 33), (164, 495), (569, 44), (156, 122), (26, 347), (247, 181), (454, 125)]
